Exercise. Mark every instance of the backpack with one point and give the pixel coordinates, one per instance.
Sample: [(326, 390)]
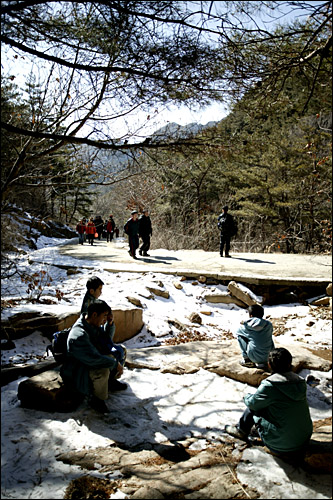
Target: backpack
[(58, 346)]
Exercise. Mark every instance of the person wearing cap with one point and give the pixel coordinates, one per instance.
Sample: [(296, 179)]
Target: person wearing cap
[(131, 228), (145, 232), (227, 227)]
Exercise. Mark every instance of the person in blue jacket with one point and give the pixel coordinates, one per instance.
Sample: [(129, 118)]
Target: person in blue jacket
[(278, 409), (89, 368), (255, 338)]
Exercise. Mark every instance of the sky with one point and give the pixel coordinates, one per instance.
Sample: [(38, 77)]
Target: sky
[(190, 405)]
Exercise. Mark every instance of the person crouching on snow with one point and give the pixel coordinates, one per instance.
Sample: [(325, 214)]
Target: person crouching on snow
[(279, 409), (255, 339)]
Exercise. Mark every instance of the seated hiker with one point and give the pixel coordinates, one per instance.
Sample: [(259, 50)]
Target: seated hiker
[(279, 409), (88, 368), (94, 291), (255, 338)]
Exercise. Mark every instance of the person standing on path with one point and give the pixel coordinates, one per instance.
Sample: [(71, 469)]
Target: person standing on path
[(131, 228), (99, 223), (81, 229), (145, 232), (91, 230), (227, 226), (110, 227)]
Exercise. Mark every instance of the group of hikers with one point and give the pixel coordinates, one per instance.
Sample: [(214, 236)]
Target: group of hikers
[(278, 411), (96, 228), (136, 227)]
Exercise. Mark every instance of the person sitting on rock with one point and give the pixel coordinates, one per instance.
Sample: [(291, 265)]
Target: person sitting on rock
[(278, 409), (255, 338), (89, 368), (94, 291)]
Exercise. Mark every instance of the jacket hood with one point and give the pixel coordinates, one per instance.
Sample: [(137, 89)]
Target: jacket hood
[(290, 384), (256, 324)]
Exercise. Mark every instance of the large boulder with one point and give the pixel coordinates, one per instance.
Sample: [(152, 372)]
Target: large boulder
[(218, 357), (244, 294), (39, 318), (47, 392), (128, 323)]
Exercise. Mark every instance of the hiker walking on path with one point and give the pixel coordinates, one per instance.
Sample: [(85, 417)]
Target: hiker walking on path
[(145, 232), (99, 224), (110, 227), (81, 229), (131, 228), (87, 368), (255, 338), (279, 409), (91, 230), (228, 228)]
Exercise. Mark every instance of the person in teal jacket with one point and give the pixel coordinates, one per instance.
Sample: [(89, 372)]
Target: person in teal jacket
[(87, 369), (255, 338), (94, 290), (279, 409)]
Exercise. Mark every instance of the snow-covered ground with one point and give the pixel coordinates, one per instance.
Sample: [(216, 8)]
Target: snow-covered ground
[(31, 439)]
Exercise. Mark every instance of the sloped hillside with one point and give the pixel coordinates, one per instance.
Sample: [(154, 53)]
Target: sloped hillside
[(20, 231)]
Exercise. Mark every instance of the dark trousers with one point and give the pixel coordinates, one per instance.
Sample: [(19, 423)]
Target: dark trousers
[(133, 243), (145, 244), (91, 238), (246, 422), (109, 236), (224, 241)]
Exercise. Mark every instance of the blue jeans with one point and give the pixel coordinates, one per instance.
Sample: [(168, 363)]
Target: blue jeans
[(81, 238), (243, 343)]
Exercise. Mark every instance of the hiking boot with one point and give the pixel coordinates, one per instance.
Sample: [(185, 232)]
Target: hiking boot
[(146, 254), (140, 252), (227, 255), (98, 405), (247, 363), (115, 385), (236, 432)]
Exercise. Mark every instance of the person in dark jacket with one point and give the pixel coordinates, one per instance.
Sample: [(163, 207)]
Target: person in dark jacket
[(131, 228), (110, 227), (94, 290), (227, 226), (99, 224), (279, 409), (87, 369), (145, 232), (255, 338)]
